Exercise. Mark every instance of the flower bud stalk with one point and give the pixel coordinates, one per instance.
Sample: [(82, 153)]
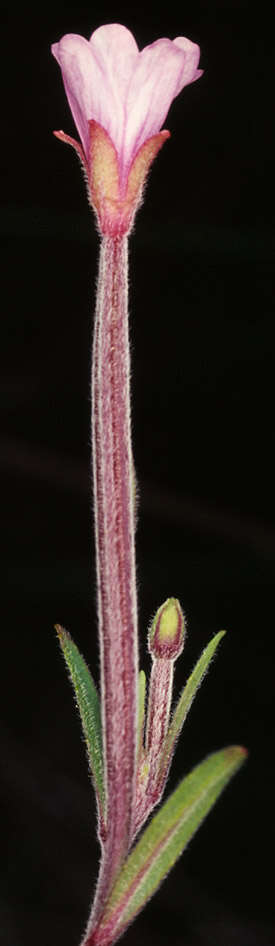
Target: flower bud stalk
[(165, 641)]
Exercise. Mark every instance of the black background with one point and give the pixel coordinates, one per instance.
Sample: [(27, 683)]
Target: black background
[(202, 332)]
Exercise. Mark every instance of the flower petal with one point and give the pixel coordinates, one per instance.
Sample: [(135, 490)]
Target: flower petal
[(192, 54), (83, 81), (161, 72), (117, 51)]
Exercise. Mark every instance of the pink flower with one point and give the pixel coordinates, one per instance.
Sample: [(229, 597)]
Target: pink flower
[(119, 98)]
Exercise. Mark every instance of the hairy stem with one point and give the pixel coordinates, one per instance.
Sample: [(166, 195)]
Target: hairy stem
[(115, 551)]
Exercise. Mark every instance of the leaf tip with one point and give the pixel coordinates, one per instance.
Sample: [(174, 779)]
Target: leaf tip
[(61, 633), (236, 755)]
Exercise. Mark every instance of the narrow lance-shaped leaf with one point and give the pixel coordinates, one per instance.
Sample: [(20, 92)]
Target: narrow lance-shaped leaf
[(89, 708), (183, 706), (164, 840)]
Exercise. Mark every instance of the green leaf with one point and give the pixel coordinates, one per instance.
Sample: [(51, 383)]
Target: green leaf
[(166, 837), (184, 703), (89, 708)]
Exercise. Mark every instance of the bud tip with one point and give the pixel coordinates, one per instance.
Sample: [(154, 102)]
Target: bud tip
[(166, 635)]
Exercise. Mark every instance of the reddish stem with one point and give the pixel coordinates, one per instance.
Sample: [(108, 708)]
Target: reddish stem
[(115, 550)]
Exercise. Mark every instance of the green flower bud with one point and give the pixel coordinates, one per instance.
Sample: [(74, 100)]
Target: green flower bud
[(166, 634)]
